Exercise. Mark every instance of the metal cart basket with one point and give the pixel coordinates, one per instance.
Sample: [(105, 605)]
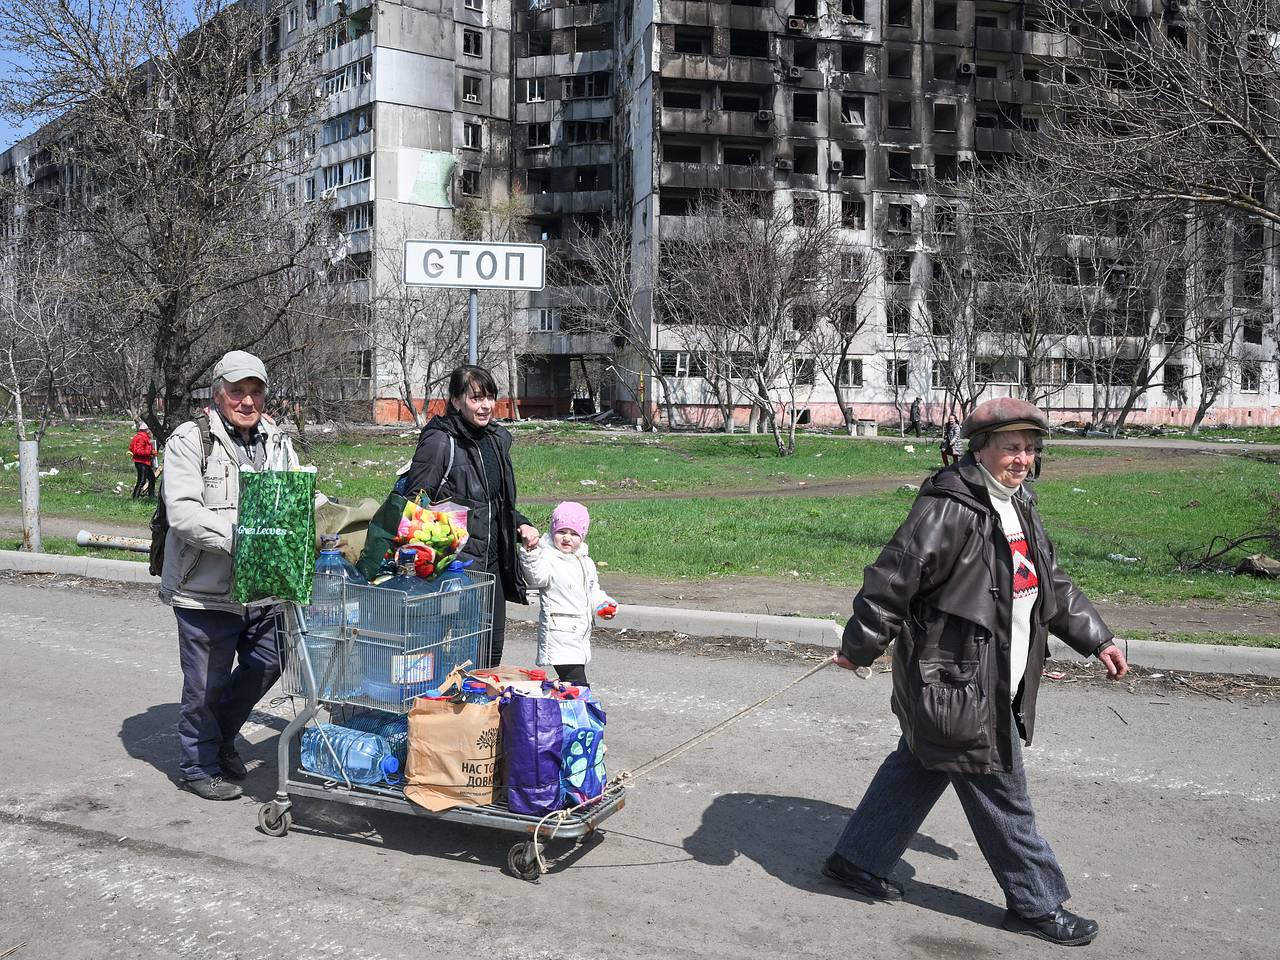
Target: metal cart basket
[(380, 648)]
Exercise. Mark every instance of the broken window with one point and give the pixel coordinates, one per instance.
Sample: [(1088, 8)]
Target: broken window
[(804, 53), (945, 66), (944, 219), (804, 317), (899, 218), (587, 131), (804, 211), (855, 161), (749, 43), (471, 182), (897, 319), (681, 152), (537, 181), (675, 205), (599, 37), (853, 109), (944, 16), (853, 214), (898, 115), (1250, 376), (739, 102), (851, 8), (804, 107), (539, 135), (683, 99), (944, 117), (741, 156), (806, 8), (897, 63), (471, 89), (538, 43), (1175, 376), (895, 372), (1251, 329), (899, 166), (806, 158), (897, 13), (586, 178), (584, 86), (472, 43), (897, 267), (988, 70), (692, 40), (853, 57)]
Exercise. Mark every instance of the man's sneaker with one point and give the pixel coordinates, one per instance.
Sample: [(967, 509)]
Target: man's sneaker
[(1061, 927), (213, 788), (233, 767), (839, 869)]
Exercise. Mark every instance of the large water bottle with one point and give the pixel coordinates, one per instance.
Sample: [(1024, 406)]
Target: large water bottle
[(400, 654), (392, 727), (364, 758), (329, 610), (461, 615)]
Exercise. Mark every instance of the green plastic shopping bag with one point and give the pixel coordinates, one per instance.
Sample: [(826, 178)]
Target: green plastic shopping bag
[(276, 535)]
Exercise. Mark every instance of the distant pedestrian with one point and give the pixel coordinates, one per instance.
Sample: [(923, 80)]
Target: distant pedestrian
[(570, 595), (951, 441), (915, 415), (143, 448), (967, 592)]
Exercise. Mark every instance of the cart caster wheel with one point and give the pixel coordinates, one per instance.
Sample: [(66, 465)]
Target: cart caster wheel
[(522, 861), (274, 821)]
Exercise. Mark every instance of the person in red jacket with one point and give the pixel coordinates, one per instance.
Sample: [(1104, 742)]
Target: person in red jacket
[(143, 449)]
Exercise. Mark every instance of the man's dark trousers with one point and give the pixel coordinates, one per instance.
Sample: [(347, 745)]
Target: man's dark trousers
[(997, 806), (217, 699)]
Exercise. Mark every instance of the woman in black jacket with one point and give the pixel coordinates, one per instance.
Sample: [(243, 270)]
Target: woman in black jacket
[(465, 457)]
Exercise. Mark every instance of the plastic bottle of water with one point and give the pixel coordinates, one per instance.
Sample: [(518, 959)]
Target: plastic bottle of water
[(393, 675), (365, 758), (328, 611), (392, 727)]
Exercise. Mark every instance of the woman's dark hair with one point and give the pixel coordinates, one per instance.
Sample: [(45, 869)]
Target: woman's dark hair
[(467, 378)]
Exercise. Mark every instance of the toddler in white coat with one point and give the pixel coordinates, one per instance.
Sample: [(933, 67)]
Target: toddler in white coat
[(559, 568)]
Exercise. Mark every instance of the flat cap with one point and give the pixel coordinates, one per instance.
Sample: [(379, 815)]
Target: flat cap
[(1004, 413), (239, 365)]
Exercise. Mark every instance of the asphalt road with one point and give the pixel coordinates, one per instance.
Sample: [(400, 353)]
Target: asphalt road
[(1165, 822)]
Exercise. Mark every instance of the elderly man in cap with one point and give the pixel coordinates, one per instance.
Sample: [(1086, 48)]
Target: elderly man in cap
[(969, 587), (228, 651)]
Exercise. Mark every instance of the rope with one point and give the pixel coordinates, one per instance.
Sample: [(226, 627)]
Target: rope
[(628, 777)]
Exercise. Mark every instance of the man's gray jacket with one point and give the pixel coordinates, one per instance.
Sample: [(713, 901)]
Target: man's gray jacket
[(203, 508)]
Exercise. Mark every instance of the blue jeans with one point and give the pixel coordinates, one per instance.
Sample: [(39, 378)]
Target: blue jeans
[(218, 694), (999, 812)]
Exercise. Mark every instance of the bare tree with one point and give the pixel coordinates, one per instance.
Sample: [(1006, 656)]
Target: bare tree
[(837, 335), (763, 277), (1171, 101), (181, 138)]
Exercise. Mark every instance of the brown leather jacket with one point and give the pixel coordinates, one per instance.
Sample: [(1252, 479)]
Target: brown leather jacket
[(943, 589)]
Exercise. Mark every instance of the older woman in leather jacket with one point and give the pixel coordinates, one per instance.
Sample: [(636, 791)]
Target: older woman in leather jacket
[(969, 588)]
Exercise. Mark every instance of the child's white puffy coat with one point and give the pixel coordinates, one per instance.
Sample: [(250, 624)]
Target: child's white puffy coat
[(569, 591)]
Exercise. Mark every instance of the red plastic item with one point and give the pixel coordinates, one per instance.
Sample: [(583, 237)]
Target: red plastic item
[(606, 610)]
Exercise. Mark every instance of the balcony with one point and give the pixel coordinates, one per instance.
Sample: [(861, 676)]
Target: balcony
[(723, 123), (714, 176), (590, 201), (989, 141), (702, 66)]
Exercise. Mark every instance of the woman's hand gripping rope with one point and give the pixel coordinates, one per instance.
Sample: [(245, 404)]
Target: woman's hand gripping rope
[(628, 777)]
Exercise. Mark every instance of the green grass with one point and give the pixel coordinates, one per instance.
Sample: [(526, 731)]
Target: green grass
[(1250, 434), (827, 539), (1221, 639)]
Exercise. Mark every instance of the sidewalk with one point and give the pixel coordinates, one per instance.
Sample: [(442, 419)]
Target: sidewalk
[(700, 620)]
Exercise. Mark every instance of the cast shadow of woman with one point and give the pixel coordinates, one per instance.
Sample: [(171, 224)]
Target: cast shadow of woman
[(790, 837)]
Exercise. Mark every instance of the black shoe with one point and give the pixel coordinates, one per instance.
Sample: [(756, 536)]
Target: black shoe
[(233, 767), (1062, 927), (214, 788), (868, 884)]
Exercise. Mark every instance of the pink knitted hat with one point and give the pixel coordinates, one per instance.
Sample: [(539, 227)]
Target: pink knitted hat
[(570, 515)]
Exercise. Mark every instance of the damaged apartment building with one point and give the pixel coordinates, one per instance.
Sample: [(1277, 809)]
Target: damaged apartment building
[(869, 110)]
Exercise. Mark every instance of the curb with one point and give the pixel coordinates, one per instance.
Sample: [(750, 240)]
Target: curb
[(1199, 658)]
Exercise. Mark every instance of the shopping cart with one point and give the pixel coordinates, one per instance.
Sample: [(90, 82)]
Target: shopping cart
[(380, 650)]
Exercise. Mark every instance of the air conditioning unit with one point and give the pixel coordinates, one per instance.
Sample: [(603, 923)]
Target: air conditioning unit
[(837, 165), (967, 68), (764, 116), (783, 163), (797, 23), (795, 73)]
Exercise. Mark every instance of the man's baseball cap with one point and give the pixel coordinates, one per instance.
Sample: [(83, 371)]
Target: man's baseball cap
[(239, 365), (1003, 414)]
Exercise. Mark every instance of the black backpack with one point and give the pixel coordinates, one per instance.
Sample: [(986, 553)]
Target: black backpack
[(160, 519)]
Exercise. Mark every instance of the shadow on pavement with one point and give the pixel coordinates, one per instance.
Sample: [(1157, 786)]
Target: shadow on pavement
[(153, 736), (791, 837)]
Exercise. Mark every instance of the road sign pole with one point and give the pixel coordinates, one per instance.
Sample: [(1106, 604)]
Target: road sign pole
[(473, 326)]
